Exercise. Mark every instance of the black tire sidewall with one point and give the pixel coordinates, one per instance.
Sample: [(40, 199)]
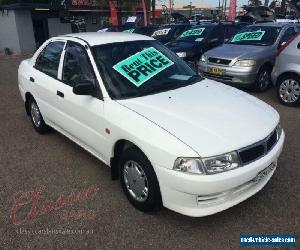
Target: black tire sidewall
[(280, 81), (153, 201), (261, 71)]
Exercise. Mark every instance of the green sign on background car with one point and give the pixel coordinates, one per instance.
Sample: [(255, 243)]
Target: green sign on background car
[(192, 32)]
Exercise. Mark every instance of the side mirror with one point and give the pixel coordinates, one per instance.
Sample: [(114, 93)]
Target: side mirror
[(84, 88)]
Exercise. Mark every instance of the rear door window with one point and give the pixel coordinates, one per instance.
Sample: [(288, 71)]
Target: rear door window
[(48, 60)]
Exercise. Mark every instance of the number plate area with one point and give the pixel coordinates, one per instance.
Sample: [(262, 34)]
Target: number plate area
[(216, 71), (264, 173)]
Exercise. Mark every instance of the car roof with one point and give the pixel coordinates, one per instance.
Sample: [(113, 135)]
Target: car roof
[(208, 25), (175, 25), (276, 25), (100, 38)]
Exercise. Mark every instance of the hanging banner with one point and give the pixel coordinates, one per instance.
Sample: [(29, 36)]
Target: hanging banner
[(113, 13), (232, 11)]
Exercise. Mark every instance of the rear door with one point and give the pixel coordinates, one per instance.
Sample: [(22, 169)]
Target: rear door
[(44, 79)]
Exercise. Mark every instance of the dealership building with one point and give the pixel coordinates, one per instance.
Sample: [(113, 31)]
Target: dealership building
[(25, 25)]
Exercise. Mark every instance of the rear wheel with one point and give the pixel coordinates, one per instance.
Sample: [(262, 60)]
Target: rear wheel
[(37, 118), (263, 79), (288, 90), (139, 181)]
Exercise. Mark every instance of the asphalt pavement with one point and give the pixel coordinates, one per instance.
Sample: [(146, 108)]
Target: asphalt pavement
[(55, 195)]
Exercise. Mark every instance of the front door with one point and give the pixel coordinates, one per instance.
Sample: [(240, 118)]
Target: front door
[(83, 114)]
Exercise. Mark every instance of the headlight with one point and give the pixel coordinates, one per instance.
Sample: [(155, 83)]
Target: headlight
[(209, 165), (189, 165), (181, 54), (221, 163), (203, 58), (245, 63)]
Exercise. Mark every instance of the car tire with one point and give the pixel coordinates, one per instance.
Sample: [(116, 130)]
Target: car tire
[(36, 117), (263, 79), (288, 90), (139, 181)]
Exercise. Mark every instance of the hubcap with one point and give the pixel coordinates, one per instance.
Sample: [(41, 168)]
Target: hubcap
[(136, 181), (289, 91), (35, 114), (264, 80)]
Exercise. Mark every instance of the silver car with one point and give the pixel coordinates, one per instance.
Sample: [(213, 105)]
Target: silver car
[(247, 58), (286, 73)]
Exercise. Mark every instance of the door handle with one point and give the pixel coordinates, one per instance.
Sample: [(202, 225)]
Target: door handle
[(61, 94), (31, 79)]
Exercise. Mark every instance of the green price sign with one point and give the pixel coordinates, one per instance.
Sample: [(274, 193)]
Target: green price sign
[(142, 66), (249, 36), (193, 32)]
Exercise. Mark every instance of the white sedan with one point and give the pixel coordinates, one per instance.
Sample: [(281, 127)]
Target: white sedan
[(193, 145)]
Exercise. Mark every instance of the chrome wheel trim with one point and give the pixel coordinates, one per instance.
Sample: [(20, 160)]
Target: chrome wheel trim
[(35, 114), (264, 80), (135, 181), (289, 91)]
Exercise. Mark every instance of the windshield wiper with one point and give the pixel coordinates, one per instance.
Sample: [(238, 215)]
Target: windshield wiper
[(195, 77)]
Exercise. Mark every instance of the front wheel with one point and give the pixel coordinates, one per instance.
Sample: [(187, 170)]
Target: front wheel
[(288, 90), (139, 181), (263, 79)]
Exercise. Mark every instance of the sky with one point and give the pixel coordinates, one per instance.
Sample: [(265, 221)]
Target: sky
[(210, 2)]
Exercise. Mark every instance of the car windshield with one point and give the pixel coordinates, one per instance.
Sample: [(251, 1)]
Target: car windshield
[(196, 34), (256, 35), (140, 68)]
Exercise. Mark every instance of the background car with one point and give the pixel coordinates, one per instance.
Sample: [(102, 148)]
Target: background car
[(147, 31), (170, 32), (192, 43), (286, 73), (116, 28), (247, 59)]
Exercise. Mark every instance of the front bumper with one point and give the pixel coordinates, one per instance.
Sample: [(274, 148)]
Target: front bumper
[(187, 194), (242, 76)]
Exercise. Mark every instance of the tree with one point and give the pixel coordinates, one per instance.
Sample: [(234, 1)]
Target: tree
[(254, 3), (266, 3)]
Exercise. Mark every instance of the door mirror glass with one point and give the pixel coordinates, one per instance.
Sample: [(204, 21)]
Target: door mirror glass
[(84, 88)]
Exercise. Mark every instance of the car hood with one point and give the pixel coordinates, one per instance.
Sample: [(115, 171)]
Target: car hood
[(210, 117), (182, 46), (232, 51)]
